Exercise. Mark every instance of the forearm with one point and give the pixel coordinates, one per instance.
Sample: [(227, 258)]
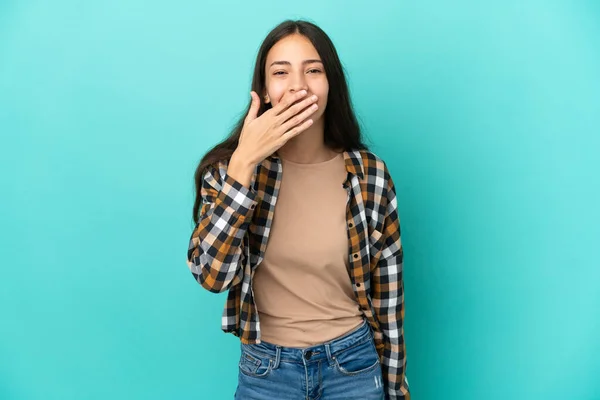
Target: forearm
[(216, 245)]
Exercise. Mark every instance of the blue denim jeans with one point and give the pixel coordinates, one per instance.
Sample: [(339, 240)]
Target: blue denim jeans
[(346, 368)]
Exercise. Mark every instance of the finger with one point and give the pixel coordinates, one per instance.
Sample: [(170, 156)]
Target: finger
[(299, 118), (288, 100), (254, 106), (296, 108), (296, 131)]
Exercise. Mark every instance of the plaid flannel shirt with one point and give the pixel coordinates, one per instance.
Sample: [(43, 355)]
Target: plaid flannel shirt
[(230, 240)]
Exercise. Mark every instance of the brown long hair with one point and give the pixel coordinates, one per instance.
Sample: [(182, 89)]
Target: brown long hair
[(342, 130)]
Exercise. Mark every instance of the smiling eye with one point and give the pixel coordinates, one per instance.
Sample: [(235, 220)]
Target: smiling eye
[(279, 72), (314, 71)]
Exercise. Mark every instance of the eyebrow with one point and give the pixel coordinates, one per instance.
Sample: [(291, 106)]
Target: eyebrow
[(305, 62)]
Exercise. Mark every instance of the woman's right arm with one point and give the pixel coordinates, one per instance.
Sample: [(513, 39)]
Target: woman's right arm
[(216, 244)]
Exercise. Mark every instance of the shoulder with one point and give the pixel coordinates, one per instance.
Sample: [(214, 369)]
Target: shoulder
[(372, 165)]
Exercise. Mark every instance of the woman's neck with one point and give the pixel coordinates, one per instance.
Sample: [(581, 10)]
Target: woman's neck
[(308, 147)]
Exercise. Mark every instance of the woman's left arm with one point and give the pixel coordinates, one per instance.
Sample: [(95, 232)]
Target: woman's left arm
[(387, 293)]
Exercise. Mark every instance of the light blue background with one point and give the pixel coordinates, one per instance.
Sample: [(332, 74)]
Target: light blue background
[(487, 112)]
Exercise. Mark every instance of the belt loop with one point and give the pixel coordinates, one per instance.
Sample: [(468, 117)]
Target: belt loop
[(330, 358), (277, 356)]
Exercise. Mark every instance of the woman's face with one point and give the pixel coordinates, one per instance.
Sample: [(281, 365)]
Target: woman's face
[(293, 64)]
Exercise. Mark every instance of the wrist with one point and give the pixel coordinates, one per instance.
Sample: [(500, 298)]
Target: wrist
[(241, 161), (241, 169)]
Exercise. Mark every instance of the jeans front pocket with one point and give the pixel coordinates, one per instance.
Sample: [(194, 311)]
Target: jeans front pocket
[(358, 359), (255, 364)]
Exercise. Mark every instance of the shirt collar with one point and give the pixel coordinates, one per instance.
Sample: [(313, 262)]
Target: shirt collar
[(352, 159)]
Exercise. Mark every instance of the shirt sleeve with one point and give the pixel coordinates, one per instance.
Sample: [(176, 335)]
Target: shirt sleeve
[(388, 300), (216, 244)]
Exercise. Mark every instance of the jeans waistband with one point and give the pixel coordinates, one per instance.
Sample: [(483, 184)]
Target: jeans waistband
[(314, 353)]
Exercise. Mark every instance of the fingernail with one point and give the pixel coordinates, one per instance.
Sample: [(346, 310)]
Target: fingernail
[(313, 98), (303, 92)]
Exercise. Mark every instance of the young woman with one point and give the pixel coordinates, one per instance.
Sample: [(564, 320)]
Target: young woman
[(298, 221)]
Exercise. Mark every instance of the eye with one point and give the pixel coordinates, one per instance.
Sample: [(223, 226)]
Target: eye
[(314, 71), (279, 73)]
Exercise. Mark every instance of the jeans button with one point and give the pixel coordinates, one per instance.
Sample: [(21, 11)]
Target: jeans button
[(308, 355)]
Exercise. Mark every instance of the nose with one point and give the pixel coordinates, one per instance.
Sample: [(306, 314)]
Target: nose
[(298, 82)]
